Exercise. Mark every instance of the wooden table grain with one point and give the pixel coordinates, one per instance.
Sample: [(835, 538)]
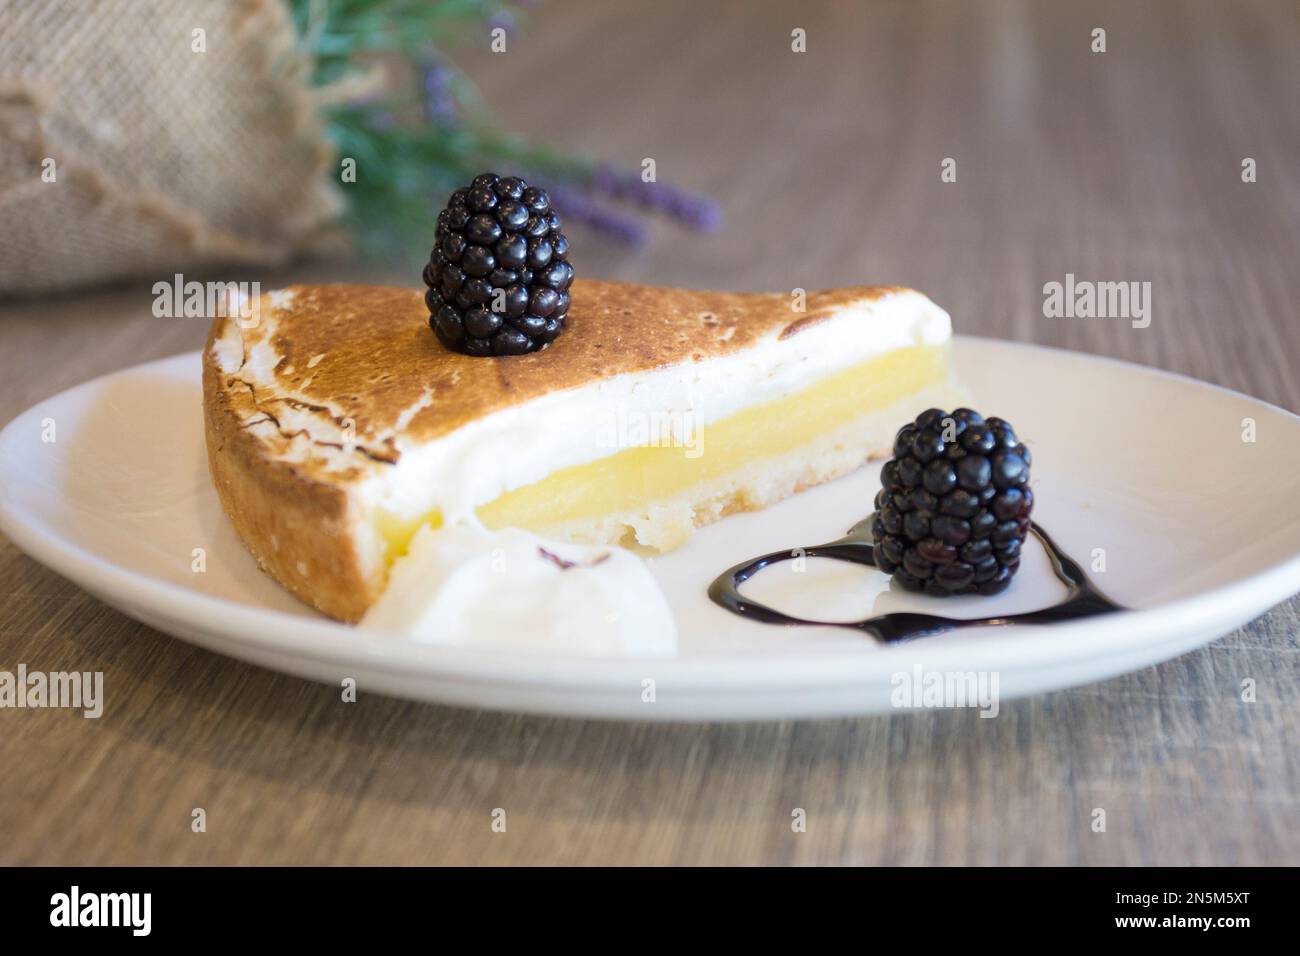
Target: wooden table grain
[(1122, 165)]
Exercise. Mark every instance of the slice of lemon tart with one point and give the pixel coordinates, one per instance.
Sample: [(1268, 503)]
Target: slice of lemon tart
[(337, 425)]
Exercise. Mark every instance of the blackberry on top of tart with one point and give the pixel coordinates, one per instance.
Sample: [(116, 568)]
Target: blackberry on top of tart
[(499, 274)]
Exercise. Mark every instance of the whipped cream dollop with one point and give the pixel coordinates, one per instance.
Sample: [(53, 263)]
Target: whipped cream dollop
[(467, 586)]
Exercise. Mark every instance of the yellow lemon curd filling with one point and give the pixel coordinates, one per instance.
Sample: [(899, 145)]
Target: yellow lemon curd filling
[(635, 478)]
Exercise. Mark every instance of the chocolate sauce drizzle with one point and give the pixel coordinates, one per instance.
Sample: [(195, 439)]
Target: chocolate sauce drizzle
[(1084, 599)]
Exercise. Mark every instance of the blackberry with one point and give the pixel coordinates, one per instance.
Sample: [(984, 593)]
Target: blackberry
[(953, 510), (499, 272)]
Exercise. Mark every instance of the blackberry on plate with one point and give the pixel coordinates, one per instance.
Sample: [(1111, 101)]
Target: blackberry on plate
[(953, 510), (499, 272)]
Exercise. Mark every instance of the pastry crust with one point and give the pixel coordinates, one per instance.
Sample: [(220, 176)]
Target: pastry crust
[(300, 528)]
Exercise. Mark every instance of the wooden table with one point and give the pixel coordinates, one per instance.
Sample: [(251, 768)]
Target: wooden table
[(1124, 165)]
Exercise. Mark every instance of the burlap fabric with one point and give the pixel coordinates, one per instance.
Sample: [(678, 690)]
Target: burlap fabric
[(165, 159)]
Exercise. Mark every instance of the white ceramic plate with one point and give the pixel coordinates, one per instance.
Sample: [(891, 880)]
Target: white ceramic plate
[(1200, 531)]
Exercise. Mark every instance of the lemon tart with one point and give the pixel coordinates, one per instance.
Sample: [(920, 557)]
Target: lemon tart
[(337, 425)]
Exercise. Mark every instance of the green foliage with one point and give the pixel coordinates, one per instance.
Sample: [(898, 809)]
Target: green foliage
[(406, 161), (336, 32)]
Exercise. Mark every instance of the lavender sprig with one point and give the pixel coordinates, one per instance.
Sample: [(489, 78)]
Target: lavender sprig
[(504, 20), (695, 210), (409, 164), (577, 206), (439, 97)]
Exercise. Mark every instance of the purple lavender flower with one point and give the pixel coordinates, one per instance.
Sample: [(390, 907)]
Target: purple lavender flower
[(439, 100), (692, 209), (576, 206), (505, 20)]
